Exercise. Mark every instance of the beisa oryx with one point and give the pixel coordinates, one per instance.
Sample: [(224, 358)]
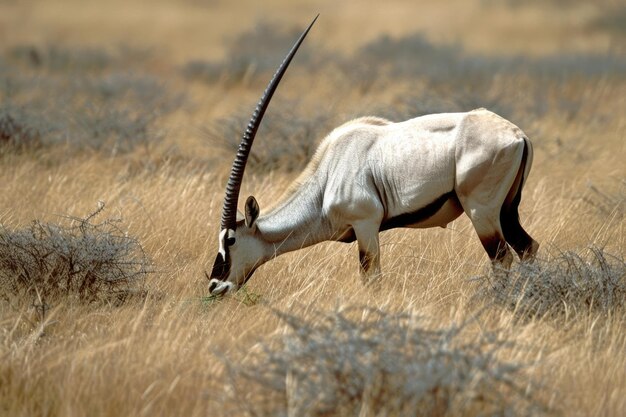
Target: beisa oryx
[(370, 175)]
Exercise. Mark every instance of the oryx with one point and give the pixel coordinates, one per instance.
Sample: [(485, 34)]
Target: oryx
[(370, 175)]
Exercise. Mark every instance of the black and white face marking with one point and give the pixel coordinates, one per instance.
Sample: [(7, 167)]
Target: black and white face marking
[(222, 265)]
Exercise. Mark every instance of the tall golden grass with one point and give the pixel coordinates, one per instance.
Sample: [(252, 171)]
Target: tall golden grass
[(167, 353)]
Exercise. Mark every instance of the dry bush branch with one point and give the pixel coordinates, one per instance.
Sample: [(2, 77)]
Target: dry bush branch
[(564, 285), (86, 260), (366, 361)]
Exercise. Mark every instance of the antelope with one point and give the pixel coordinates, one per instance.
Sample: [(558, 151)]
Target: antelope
[(371, 175)]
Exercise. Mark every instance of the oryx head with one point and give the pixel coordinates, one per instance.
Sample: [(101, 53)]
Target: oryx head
[(240, 249)]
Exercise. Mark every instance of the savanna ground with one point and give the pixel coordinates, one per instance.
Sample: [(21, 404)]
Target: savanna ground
[(140, 105)]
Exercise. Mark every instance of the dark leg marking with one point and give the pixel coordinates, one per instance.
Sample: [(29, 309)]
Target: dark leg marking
[(495, 247), (365, 260), (523, 244), (515, 235), (418, 215)]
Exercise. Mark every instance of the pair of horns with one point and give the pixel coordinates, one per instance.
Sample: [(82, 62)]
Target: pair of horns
[(229, 211)]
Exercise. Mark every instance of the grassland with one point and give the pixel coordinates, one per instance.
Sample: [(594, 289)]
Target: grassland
[(140, 105)]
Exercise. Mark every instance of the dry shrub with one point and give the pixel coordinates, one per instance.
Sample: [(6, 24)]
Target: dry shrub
[(412, 55), (87, 98), (76, 59), (288, 137), (612, 18), (20, 127), (518, 88), (56, 58), (365, 361), (86, 260), (566, 284), (250, 54), (415, 56)]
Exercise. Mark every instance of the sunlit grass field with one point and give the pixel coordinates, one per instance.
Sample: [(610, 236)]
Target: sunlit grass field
[(140, 106)]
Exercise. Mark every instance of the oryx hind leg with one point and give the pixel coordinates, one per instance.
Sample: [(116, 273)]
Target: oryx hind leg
[(486, 222), (483, 206), (482, 191), (369, 250), (523, 244)]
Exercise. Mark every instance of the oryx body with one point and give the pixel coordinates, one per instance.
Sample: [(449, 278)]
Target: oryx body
[(370, 175)]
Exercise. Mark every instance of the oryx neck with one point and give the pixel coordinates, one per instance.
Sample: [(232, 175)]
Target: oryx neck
[(295, 222)]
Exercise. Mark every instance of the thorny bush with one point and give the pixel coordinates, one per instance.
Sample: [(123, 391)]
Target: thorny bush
[(360, 360), (87, 260), (565, 284)]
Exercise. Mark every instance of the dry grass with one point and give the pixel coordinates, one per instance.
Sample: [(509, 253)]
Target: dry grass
[(160, 164)]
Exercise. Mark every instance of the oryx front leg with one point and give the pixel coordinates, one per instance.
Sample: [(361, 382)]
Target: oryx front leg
[(369, 250)]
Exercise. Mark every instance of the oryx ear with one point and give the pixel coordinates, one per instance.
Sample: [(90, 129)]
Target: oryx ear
[(252, 211)]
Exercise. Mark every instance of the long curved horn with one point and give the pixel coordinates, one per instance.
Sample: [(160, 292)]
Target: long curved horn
[(229, 212)]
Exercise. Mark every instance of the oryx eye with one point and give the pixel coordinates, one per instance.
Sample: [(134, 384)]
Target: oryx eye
[(230, 241)]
